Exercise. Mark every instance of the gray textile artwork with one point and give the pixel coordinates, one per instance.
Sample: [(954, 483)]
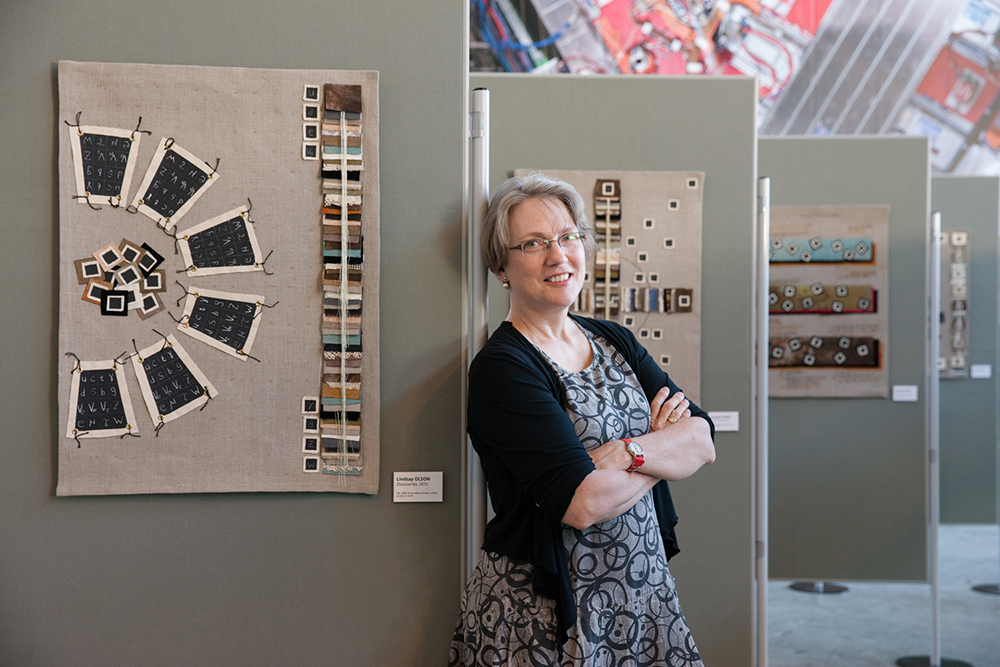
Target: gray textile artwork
[(247, 124)]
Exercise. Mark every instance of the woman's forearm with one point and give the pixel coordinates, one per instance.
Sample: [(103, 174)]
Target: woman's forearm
[(605, 494), (678, 450), (673, 452)]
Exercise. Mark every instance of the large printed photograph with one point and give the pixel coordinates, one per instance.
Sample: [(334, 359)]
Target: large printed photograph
[(823, 67)]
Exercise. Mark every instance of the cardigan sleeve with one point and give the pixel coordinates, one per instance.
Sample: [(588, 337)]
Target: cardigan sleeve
[(522, 433)]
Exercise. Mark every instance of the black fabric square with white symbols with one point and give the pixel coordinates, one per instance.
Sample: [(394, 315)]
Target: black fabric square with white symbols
[(172, 383), (105, 159), (226, 244), (176, 181), (227, 321), (99, 403)]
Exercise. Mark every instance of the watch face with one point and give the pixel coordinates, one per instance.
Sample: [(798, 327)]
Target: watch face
[(634, 448)]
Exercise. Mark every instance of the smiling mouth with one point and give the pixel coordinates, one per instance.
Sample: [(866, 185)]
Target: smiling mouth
[(562, 277)]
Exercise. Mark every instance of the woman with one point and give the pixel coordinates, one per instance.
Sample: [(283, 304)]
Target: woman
[(576, 427)]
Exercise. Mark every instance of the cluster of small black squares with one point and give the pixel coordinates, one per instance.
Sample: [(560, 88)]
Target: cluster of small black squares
[(104, 161), (228, 322), (99, 405), (176, 181), (172, 383), (225, 244)]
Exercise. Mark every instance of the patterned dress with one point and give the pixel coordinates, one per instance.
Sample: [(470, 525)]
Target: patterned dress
[(627, 607)]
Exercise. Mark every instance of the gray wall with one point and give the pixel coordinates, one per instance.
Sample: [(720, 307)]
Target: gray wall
[(969, 407), (665, 123), (239, 579), (848, 476)]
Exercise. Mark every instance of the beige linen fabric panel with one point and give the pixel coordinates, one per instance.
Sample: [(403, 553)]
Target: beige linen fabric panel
[(647, 194), (249, 437), (804, 222)]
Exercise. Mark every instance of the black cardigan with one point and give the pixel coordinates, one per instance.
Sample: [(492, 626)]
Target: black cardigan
[(533, 459)]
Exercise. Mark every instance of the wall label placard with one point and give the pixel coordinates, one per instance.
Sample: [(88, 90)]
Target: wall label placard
[(726, 421), (417, 487), (982, 371)]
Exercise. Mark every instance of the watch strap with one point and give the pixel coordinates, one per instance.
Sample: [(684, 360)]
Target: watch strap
[(637, 459)]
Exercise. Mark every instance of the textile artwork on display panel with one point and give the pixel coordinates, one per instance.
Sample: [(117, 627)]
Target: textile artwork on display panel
[(829, 301), (646, 270), (953, 361), (312, 379)]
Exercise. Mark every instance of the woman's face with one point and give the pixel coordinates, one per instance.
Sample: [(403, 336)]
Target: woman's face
[(550, 280)]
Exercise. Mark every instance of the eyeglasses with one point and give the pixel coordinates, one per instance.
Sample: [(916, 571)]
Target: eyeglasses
[(568, 241)]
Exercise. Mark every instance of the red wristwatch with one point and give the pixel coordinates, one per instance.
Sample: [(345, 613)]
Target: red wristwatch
[(635, 449)]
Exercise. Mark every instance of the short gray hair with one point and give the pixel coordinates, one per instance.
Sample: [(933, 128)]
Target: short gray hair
[(495, 244)]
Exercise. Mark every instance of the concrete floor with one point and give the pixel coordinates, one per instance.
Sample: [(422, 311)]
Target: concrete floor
[(874, 624)]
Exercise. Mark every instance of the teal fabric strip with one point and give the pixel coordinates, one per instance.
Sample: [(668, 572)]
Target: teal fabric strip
[(335, 150), (331, 339), (816, 249), (340, 401), (336, 253)]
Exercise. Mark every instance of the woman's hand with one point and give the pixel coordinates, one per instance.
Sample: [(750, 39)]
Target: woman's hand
[(611, 456), (666, 410)]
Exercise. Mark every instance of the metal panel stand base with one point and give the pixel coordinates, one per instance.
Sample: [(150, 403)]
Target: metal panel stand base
[(992, 589), (821, 587), (925, 661)]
